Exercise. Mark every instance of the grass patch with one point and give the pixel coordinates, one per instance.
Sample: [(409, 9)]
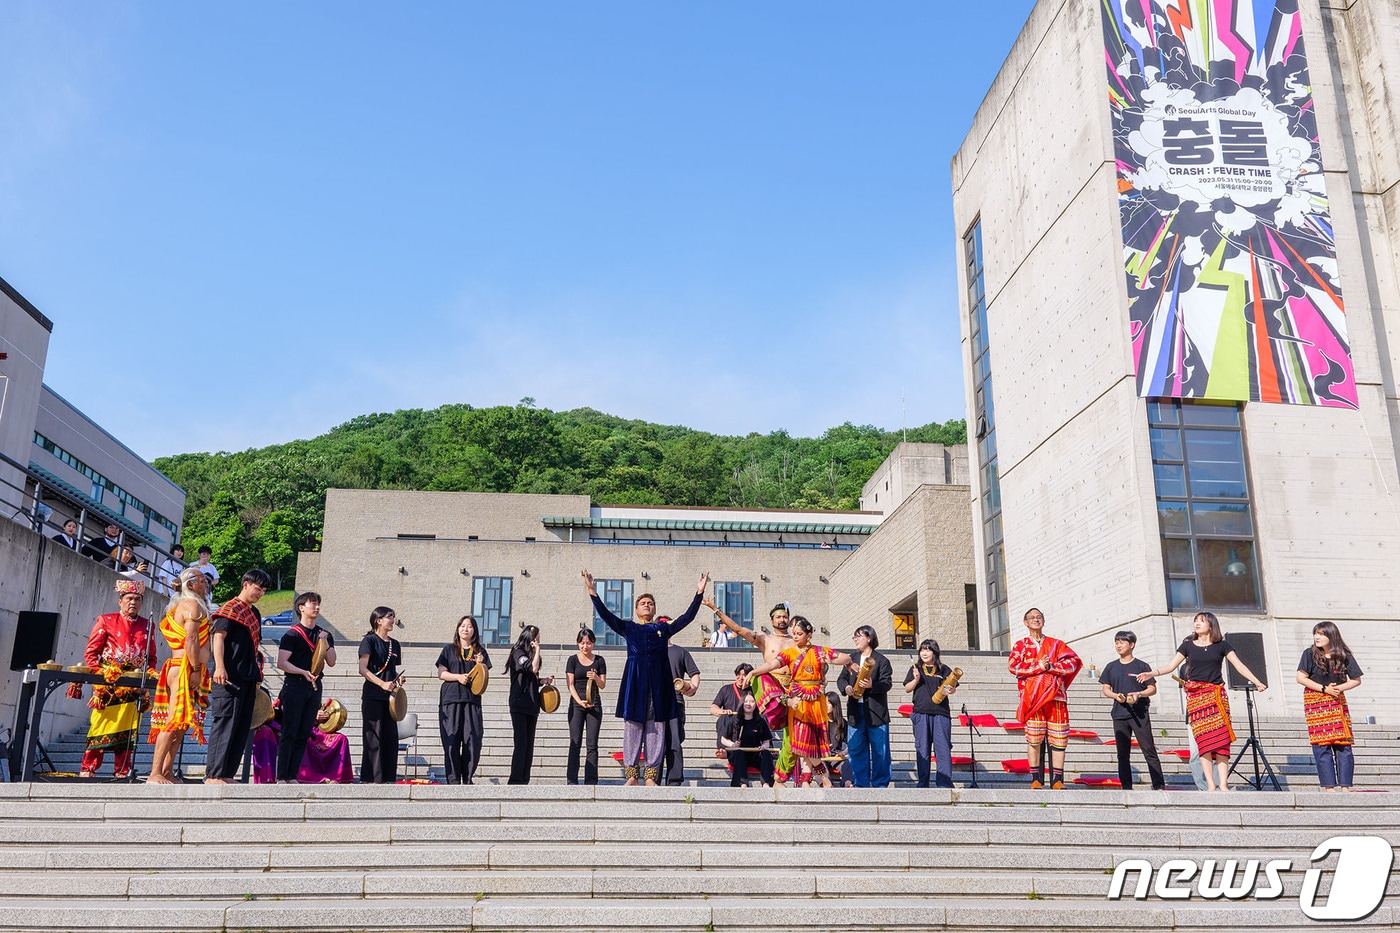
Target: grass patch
[(276, 601)]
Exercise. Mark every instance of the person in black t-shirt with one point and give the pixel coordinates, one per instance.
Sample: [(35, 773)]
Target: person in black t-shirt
[(1327, 671), (459, 710), (1130, 711), (301, 690), (728, 702), (525, 685), (932, 722), (585, 674), (748, 740), (1207, 705), (236, 630), (380, 656), (685, 670)]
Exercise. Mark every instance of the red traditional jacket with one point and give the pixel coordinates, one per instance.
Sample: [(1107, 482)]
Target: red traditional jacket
[(114, 638), (1041, 688)]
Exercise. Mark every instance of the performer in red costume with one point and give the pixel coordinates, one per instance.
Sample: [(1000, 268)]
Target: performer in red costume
[(1044, 669), (120, 644)]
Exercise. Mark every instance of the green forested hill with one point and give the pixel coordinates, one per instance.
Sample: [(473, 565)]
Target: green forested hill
[(259, 507)]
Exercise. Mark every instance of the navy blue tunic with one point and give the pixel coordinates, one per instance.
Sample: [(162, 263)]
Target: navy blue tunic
[(648, 671)]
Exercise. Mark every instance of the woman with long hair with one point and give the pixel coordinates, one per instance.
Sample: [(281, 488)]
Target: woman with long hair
[(182, 692), (932, 721), (1207, 705), (380, 657), (806, 663), (1326, 672), (585, 674), (459, 709), (524, 702)]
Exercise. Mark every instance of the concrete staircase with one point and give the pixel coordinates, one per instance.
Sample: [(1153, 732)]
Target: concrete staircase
[(386, 858), (986, 688)]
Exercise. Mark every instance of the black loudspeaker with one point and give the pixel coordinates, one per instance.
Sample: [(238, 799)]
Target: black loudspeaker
[(1249, 647), (36, 638)]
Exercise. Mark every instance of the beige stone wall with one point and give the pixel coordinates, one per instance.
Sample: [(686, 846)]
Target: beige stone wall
[(357, 515), (910, 466), (924, 549)]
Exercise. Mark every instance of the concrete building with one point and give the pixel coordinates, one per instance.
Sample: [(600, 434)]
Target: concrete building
[(511, 560), (1108, 499)]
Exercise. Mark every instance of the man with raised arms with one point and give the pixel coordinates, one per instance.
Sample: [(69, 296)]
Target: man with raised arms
[(770, 690)]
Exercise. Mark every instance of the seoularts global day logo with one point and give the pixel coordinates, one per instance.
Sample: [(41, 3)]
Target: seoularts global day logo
[(1228, 245)]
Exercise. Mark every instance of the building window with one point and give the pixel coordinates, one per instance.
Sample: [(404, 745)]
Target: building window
[(1203, 506), (617, 596), (491, 609), (985, 435), (736, 599)]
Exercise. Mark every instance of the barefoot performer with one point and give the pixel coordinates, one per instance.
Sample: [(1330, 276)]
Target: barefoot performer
[(770, 690), (648, 690), (182, 692)]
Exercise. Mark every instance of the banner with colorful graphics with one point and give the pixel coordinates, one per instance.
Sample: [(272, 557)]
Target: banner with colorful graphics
[(1233, 291)]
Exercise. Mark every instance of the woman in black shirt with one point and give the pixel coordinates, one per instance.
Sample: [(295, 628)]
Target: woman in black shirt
[(933, 722), (459, 709), (747, 731), (524, 702), (1207, 706), (380, 656), (585, 674), (1327, 671)]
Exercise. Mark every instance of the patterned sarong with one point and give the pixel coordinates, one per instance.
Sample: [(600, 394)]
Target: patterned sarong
[(180, 703), (113, 728), (1208, 713), (1329, 720)]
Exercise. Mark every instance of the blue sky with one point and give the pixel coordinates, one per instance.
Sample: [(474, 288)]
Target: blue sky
[(735, 217)]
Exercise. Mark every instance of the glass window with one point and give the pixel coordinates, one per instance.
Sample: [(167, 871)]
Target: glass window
[(736, 599), (617, 596), (1203, 507), (491, 609)]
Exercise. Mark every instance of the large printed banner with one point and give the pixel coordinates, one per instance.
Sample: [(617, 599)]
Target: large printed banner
[(1227, 235)]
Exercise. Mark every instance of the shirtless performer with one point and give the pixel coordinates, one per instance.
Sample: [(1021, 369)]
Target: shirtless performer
[(768, 689)]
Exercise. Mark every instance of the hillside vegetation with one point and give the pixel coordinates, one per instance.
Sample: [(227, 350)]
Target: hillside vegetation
[(260, 507)]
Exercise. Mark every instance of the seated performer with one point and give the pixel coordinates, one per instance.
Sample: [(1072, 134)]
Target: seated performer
[(747, 740), (728, 701), (648, 690), (122, 640), (182, 691), (807, 717), (1044, 668), (325, 759), (1327, 671), (301, 689), (1207, 706), (1131, 719)]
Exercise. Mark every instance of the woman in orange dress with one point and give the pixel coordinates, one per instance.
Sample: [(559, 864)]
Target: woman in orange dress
[(182, 692), (806, 663)]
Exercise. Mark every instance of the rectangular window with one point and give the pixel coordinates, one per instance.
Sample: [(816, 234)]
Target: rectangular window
[(1204, 512), (736, 599), (491, 609), (617, 596), (985, 435)]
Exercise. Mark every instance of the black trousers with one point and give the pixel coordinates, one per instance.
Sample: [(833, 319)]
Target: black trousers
[(459, 724), (1140, 728), (231, 716), (583, 721), (674, 759), (379, 757), (740, 762), (300, 703), (522, 725)]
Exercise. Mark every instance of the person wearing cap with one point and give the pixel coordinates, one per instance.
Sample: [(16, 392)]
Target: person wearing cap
[(121, 639), (182, 690), (1130, 710)]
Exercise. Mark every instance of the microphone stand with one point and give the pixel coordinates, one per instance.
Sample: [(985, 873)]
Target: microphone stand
[(145, 667), (971, 745)]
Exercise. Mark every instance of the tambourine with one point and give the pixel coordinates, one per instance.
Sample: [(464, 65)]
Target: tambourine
[(318, 657)]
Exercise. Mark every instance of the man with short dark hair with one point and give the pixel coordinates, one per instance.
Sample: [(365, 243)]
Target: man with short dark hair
[(1130, 710), (103, 549), (868, 716), (207, 567), (237, 633)]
